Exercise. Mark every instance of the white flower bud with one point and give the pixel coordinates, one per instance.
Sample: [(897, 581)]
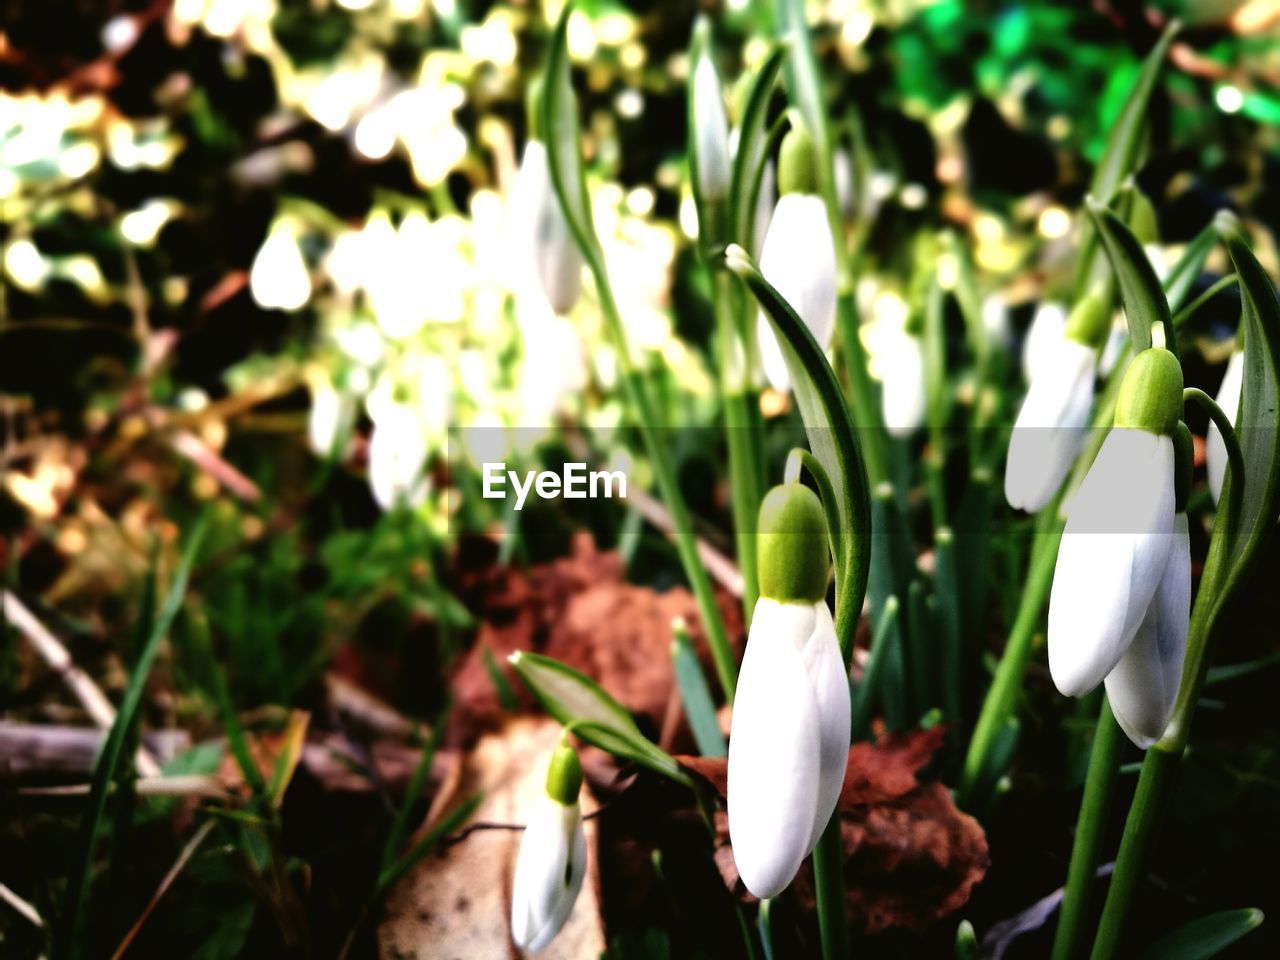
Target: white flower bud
[(1050, 427), (712, 132), (539, 235), (550, 867), (1229, 400), (789, 744), (397, 456), (799, 259), (1111, 558), (1144, 685), (278, 278), (331, 418), (903, 392)]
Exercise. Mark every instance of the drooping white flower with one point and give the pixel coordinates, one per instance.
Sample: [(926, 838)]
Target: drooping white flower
[(903, 391), (1120, 530), (1143, 687), (798, 258), (332, 415), (397, 456), (1050, 427), (789, 743), (1112, 555), (278, 278), (1229, 400), (538, 234), (553, 857), (1045, 333)]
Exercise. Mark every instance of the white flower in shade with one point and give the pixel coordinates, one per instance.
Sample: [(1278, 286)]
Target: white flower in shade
[(798, 258), (1043, 337), (711, 132), (995, 320), (278, 278), (1120, 531), (397, 456), (790, 739), (1114, 348), (1143, 687), (553, 857), (538, 234), (1229, 400), (842, 170), (1050, 427)]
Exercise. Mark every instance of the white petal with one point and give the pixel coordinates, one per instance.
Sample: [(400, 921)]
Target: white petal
[(1050, 428), (1229, 400), (549, 871), (902, 386), (1144, 685), (1047, 327), (1115, 347), (1113, 552), (774, 753), (830, 682), (556, 254), (799, 259)]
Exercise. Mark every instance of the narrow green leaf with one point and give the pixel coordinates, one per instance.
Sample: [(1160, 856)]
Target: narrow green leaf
[(886, 637), (1258, 422), (946, 578), (699, 708), (1144, 301), (1182, 276), (753, 147), (1120, 159), (447, 825), (570, 696), (70, 943), (1206, 937), (559, 108), (831, 437), (966, 942), (417, 784)]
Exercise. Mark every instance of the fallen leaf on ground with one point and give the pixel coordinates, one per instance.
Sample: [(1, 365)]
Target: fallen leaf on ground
[(911, 857)]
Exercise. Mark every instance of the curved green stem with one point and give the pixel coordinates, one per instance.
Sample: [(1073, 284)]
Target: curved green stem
[(1086, 850), (828, 879), (1235, 456)]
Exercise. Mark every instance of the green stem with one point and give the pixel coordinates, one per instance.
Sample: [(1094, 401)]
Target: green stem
[(1139, 828), (865, 400), (669, 488), (1086, 851), (828, 878), (744, 472), (1002, 696)]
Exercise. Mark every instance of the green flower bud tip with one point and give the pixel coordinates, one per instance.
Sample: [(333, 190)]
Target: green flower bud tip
[(797, 160), (564, 775), (533, 106), (1142, 219), (1151, 393), (1183, 463), (1090, 321), (791, 548)]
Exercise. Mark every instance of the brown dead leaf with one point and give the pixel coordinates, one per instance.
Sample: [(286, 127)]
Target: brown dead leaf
[(579, 610), (911, 858), (456, 904)]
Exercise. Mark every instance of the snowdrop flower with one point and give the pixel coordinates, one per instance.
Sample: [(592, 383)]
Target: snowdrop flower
[(1117, 544), (903, 395), (790, 739), (1047, 327), (798, 255), (537, 231), (1053, 418), (1229, 400), (397, 456), (710, 138), (278, 278), (332, 415), (553, 857), (995, 320)]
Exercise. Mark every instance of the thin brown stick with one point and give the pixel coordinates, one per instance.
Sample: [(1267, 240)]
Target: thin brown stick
[(210, 462), (187, 853), (82, 687), (29, 912)]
